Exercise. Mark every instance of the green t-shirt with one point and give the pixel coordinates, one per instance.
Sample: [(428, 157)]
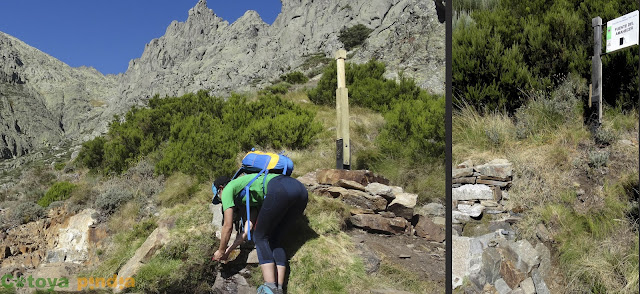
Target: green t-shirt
[(236, 186)]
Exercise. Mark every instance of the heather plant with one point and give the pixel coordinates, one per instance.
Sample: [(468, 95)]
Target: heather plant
[(59, 191)]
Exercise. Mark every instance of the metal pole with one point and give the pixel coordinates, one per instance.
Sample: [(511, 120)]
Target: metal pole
[(596, 66)]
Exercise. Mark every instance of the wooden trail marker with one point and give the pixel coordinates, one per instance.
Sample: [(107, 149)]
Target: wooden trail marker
[(343, 143)]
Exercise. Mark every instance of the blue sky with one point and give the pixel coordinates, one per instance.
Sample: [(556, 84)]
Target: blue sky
[(107, 34)]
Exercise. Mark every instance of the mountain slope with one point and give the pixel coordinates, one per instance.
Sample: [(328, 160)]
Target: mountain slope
[(206, 52)]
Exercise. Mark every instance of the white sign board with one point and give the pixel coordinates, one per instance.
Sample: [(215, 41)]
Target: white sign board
[(623, 31)]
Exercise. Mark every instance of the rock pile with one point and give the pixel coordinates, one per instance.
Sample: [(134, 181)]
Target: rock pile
[(480, 190), (376, 206), (486, 252), (58, 238)]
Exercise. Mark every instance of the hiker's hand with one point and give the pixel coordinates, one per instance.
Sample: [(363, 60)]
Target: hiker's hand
[(219, 255)]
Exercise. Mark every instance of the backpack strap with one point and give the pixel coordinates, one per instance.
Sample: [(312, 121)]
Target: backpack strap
[(247, 200)]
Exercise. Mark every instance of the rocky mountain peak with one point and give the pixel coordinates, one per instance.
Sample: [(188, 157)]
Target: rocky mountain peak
[(206, 52), (200, 8)]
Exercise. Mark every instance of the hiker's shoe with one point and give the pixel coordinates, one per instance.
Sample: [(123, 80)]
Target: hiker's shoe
[(279, 291), (264, 289)]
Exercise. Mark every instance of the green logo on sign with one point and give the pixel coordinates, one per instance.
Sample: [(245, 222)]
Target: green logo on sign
[(608, 33)]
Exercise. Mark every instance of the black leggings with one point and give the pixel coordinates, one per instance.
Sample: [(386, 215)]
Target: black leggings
[(285, 201)]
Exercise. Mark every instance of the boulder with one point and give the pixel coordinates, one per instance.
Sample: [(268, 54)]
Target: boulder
[(403, 205), (539, 283), (458, 217), (425, 228), (502, 287), (158, 238), (523, 256), (364, 200), (380, 190), (497, 168), (379, 223), (348, 184), (491, 264), (363, 177), (436, 209), (510, 273), (309, 180), (72, 244), (527, 286), (545, 259), (472, 192), (474, 210), (331, 191), (461, 172), (465, 164)]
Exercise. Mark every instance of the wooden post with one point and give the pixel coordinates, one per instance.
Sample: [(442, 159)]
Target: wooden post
[(596, 66), (342, 111)]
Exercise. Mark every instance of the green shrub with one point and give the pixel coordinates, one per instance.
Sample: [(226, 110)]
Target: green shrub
[(295, 77), (279, 88), (515, 46), (414, 129), (315, 60), (59, 191), (59, 165), (277, 123), (200, 135), (92, 153), (354, 36)]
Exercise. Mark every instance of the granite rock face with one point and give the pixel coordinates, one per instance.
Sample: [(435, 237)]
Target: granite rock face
[(44, 101)]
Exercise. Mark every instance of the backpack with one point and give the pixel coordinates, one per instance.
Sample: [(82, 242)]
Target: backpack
[(261, 163)]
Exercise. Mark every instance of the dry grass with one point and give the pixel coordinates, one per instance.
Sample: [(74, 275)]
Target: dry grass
[(597, 246)]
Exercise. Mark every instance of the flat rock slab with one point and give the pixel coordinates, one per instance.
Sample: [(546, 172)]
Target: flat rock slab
[(461, 172), (363, 177), (379, 223), (381, 190), (499, 168), (472, 192), (348, 184), (474, 210)]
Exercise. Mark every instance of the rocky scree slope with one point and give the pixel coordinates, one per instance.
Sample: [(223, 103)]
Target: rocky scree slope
[(44, 101)]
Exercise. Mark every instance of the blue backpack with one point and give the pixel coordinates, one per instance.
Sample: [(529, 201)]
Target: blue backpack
[(261, 163)]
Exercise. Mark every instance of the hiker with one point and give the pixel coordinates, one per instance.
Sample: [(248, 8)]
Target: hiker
[(275, 203)]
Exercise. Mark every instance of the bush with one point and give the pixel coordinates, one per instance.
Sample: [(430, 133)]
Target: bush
[(92, 153), (295, 77), (22, 213), (598, 158), (59, 191), (354, 36), (515, 46), (200, 135), (115, 195), (414, 129), (279, 88)]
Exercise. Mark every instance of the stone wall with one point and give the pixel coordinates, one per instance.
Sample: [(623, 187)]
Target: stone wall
[(486, 251), (377, 207)]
